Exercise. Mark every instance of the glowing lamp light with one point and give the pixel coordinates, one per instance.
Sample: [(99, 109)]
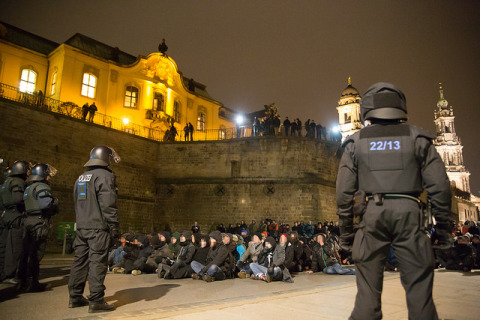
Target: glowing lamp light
[(126, 121), (239, 119), (336, 129)]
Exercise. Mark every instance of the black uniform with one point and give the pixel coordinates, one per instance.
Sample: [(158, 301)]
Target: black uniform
[(95, 198), (12, 221), (39, 207), (391, 163)]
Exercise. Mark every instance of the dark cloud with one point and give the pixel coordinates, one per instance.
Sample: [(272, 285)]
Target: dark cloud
[(298, 54)]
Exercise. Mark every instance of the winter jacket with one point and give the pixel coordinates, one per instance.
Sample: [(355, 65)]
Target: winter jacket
[(252, 252)]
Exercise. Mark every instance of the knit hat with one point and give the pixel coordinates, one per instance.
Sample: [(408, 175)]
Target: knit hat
[(264, 235), (217, 235), (235, 238), (243, 230), (187, 235), (271, 241)]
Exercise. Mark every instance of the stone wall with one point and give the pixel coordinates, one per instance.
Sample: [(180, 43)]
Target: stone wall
[(170, 185)]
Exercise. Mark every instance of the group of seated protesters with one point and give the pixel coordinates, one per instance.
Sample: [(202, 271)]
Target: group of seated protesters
[(465, 253), (221, 256)]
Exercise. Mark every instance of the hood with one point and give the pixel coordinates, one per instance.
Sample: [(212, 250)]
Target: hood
[(216, 235)]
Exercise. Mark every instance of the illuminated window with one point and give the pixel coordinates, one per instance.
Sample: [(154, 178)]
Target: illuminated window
[(54, 84), (176, 111), (201, 121), (28, 81), (347, 118), (158, 102), (88, 85), (131, 96)]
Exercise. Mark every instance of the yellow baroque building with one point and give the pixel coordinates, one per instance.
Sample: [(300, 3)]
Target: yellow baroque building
[(141, 92)]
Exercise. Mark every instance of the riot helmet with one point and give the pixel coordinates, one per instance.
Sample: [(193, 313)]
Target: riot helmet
[(20, 168), (41, 171), (383, 101), (101, 156)]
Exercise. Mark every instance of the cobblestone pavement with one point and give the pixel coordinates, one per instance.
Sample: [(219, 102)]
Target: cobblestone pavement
[(316, 296)]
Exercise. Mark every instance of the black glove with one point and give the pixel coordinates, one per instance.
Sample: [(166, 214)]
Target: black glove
[(444, 236), (346, 233), (240, 264), (170, 262)]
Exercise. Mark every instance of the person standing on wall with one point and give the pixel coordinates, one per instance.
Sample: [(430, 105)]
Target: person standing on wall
[(91, 110), (391, 162), (95, 200)]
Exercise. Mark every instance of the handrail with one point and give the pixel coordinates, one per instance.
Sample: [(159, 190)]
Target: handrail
[(72, 110)]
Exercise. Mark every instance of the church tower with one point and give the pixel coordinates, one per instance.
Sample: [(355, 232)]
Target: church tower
[(449, 145), (349, 111)]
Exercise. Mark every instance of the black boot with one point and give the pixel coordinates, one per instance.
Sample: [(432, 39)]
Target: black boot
[(75, 303), (100, 307)]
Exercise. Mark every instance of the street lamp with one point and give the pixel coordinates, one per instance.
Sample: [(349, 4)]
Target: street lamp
[(239, 119), (126, 121)]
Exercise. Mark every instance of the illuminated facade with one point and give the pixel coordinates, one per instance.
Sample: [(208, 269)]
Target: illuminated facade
[(144, 90), (349, 111)]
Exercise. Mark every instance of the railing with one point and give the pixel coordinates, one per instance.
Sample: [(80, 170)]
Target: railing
[(72, 110)]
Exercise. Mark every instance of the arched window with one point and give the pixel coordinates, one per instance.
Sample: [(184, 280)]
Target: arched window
[(89, 84), (158, 102), (201, 121), (176, 111), (53, 87), (28, 81), (131, 96)]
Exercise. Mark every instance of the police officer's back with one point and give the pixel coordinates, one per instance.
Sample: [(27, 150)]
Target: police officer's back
[(40, 206), (11, 193), (95, 195), (391, 162)]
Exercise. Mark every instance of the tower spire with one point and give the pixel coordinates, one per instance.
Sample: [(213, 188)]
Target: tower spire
[(349, 81)]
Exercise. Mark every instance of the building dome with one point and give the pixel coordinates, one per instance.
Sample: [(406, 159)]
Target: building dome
[(442, 103), (350, 90)]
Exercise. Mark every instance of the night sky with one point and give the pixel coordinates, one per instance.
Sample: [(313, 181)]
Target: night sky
[(297, 54)]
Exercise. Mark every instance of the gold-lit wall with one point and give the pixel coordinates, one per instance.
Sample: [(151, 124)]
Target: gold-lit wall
[(156, 73)]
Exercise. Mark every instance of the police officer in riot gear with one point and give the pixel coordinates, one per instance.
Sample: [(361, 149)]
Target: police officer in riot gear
[(391, 162), (95, 198), (11, 193), (3, 231), (40, 206)]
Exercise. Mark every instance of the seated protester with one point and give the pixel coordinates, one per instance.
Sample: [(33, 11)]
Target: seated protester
[(173, 245), (476, 246), (307, 246), (246, 238), (131, 250), (143, 254), (250, 255), (294, 257), (326, 258), (116, 254), (240, 246), (201, 252), (270, 265), (227, 239), (196, 239), (308, 230), (160, 252), (218, 265), (463, 256), (181, 268)]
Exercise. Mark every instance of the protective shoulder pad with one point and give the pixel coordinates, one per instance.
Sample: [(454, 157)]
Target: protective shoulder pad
[(42, 190), (351, 138), (419, 132)]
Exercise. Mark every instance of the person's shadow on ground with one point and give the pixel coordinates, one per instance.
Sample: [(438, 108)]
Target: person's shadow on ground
[(132, 295), (57, 271)]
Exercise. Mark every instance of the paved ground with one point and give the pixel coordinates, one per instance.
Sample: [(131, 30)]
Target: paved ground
[(316, 296)]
